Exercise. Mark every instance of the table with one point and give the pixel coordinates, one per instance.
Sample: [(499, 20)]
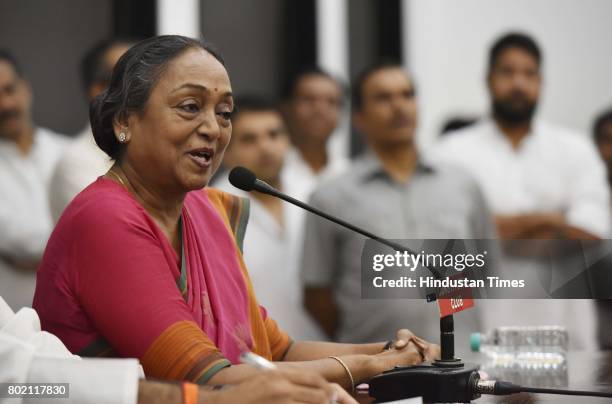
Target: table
[(586, 371)]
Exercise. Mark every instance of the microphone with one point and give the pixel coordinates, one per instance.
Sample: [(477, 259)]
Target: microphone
[(450, 385), (244, 179)]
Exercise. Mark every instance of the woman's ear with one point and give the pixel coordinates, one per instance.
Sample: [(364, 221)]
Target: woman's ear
[(121, 128)]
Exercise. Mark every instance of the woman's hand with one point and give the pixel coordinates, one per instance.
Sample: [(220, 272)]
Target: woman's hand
[(407, 356), (283, 386), (402, 338), (428, 350)]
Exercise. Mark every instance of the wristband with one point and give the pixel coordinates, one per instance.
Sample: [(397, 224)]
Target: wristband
[(190, 393)]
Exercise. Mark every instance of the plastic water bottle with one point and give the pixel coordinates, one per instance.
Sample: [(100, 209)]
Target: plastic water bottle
[(542, 339), (533, 355)]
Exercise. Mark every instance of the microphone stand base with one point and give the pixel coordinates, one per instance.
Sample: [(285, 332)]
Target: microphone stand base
[(435, 383), (448, 363)]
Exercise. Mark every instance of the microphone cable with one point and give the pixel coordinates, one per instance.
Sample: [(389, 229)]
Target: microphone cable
[(501, 388)]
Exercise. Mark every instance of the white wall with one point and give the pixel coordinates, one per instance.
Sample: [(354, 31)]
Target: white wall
[(332, 55), (178, 17), (447, 41)]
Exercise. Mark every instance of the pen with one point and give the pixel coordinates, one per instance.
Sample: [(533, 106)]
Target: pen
[(250, 358)]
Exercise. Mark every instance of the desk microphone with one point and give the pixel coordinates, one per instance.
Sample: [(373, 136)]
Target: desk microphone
[(445, 380), (447, 385)]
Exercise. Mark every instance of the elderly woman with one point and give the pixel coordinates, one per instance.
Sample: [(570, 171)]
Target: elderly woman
[(146, 261)]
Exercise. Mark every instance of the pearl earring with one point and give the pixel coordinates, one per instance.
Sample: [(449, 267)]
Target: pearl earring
[(122, 137)]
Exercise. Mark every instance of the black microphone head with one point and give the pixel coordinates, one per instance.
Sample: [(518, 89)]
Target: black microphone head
[(242, 178)]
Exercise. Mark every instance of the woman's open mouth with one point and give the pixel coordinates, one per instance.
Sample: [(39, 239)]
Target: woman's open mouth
[(202, 157)]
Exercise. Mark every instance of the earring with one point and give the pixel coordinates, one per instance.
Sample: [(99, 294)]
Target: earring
[(122, 137)]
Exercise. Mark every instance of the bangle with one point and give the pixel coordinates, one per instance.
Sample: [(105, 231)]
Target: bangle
[(388, 346), (348, 372), (190, 393)]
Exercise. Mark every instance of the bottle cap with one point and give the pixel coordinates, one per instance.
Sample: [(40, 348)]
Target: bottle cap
[(475, 341)]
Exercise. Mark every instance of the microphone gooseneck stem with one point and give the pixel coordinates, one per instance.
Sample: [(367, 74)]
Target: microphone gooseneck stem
[(447, 338), (274, 192)]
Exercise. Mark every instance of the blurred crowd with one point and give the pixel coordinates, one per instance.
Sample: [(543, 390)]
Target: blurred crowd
[(507, 175)]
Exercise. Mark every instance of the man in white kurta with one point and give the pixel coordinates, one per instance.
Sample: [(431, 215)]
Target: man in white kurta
[(28, 155), (552, 172), (540, 180)]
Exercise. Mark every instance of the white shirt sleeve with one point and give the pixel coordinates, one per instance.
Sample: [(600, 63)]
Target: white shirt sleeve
[(95, 381), (29, 355), (16, 358)]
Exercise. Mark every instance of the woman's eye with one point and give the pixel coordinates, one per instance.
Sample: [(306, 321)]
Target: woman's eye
[(226, 115), (191, 107)]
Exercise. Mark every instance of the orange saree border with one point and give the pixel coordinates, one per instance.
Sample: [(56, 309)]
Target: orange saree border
[(192, 356)]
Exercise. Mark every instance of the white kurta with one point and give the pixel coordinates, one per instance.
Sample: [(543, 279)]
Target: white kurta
[(25, 220), (553, 171), (29, 355)]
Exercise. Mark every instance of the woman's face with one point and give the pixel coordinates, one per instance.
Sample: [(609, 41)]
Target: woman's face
[(178, 141)]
